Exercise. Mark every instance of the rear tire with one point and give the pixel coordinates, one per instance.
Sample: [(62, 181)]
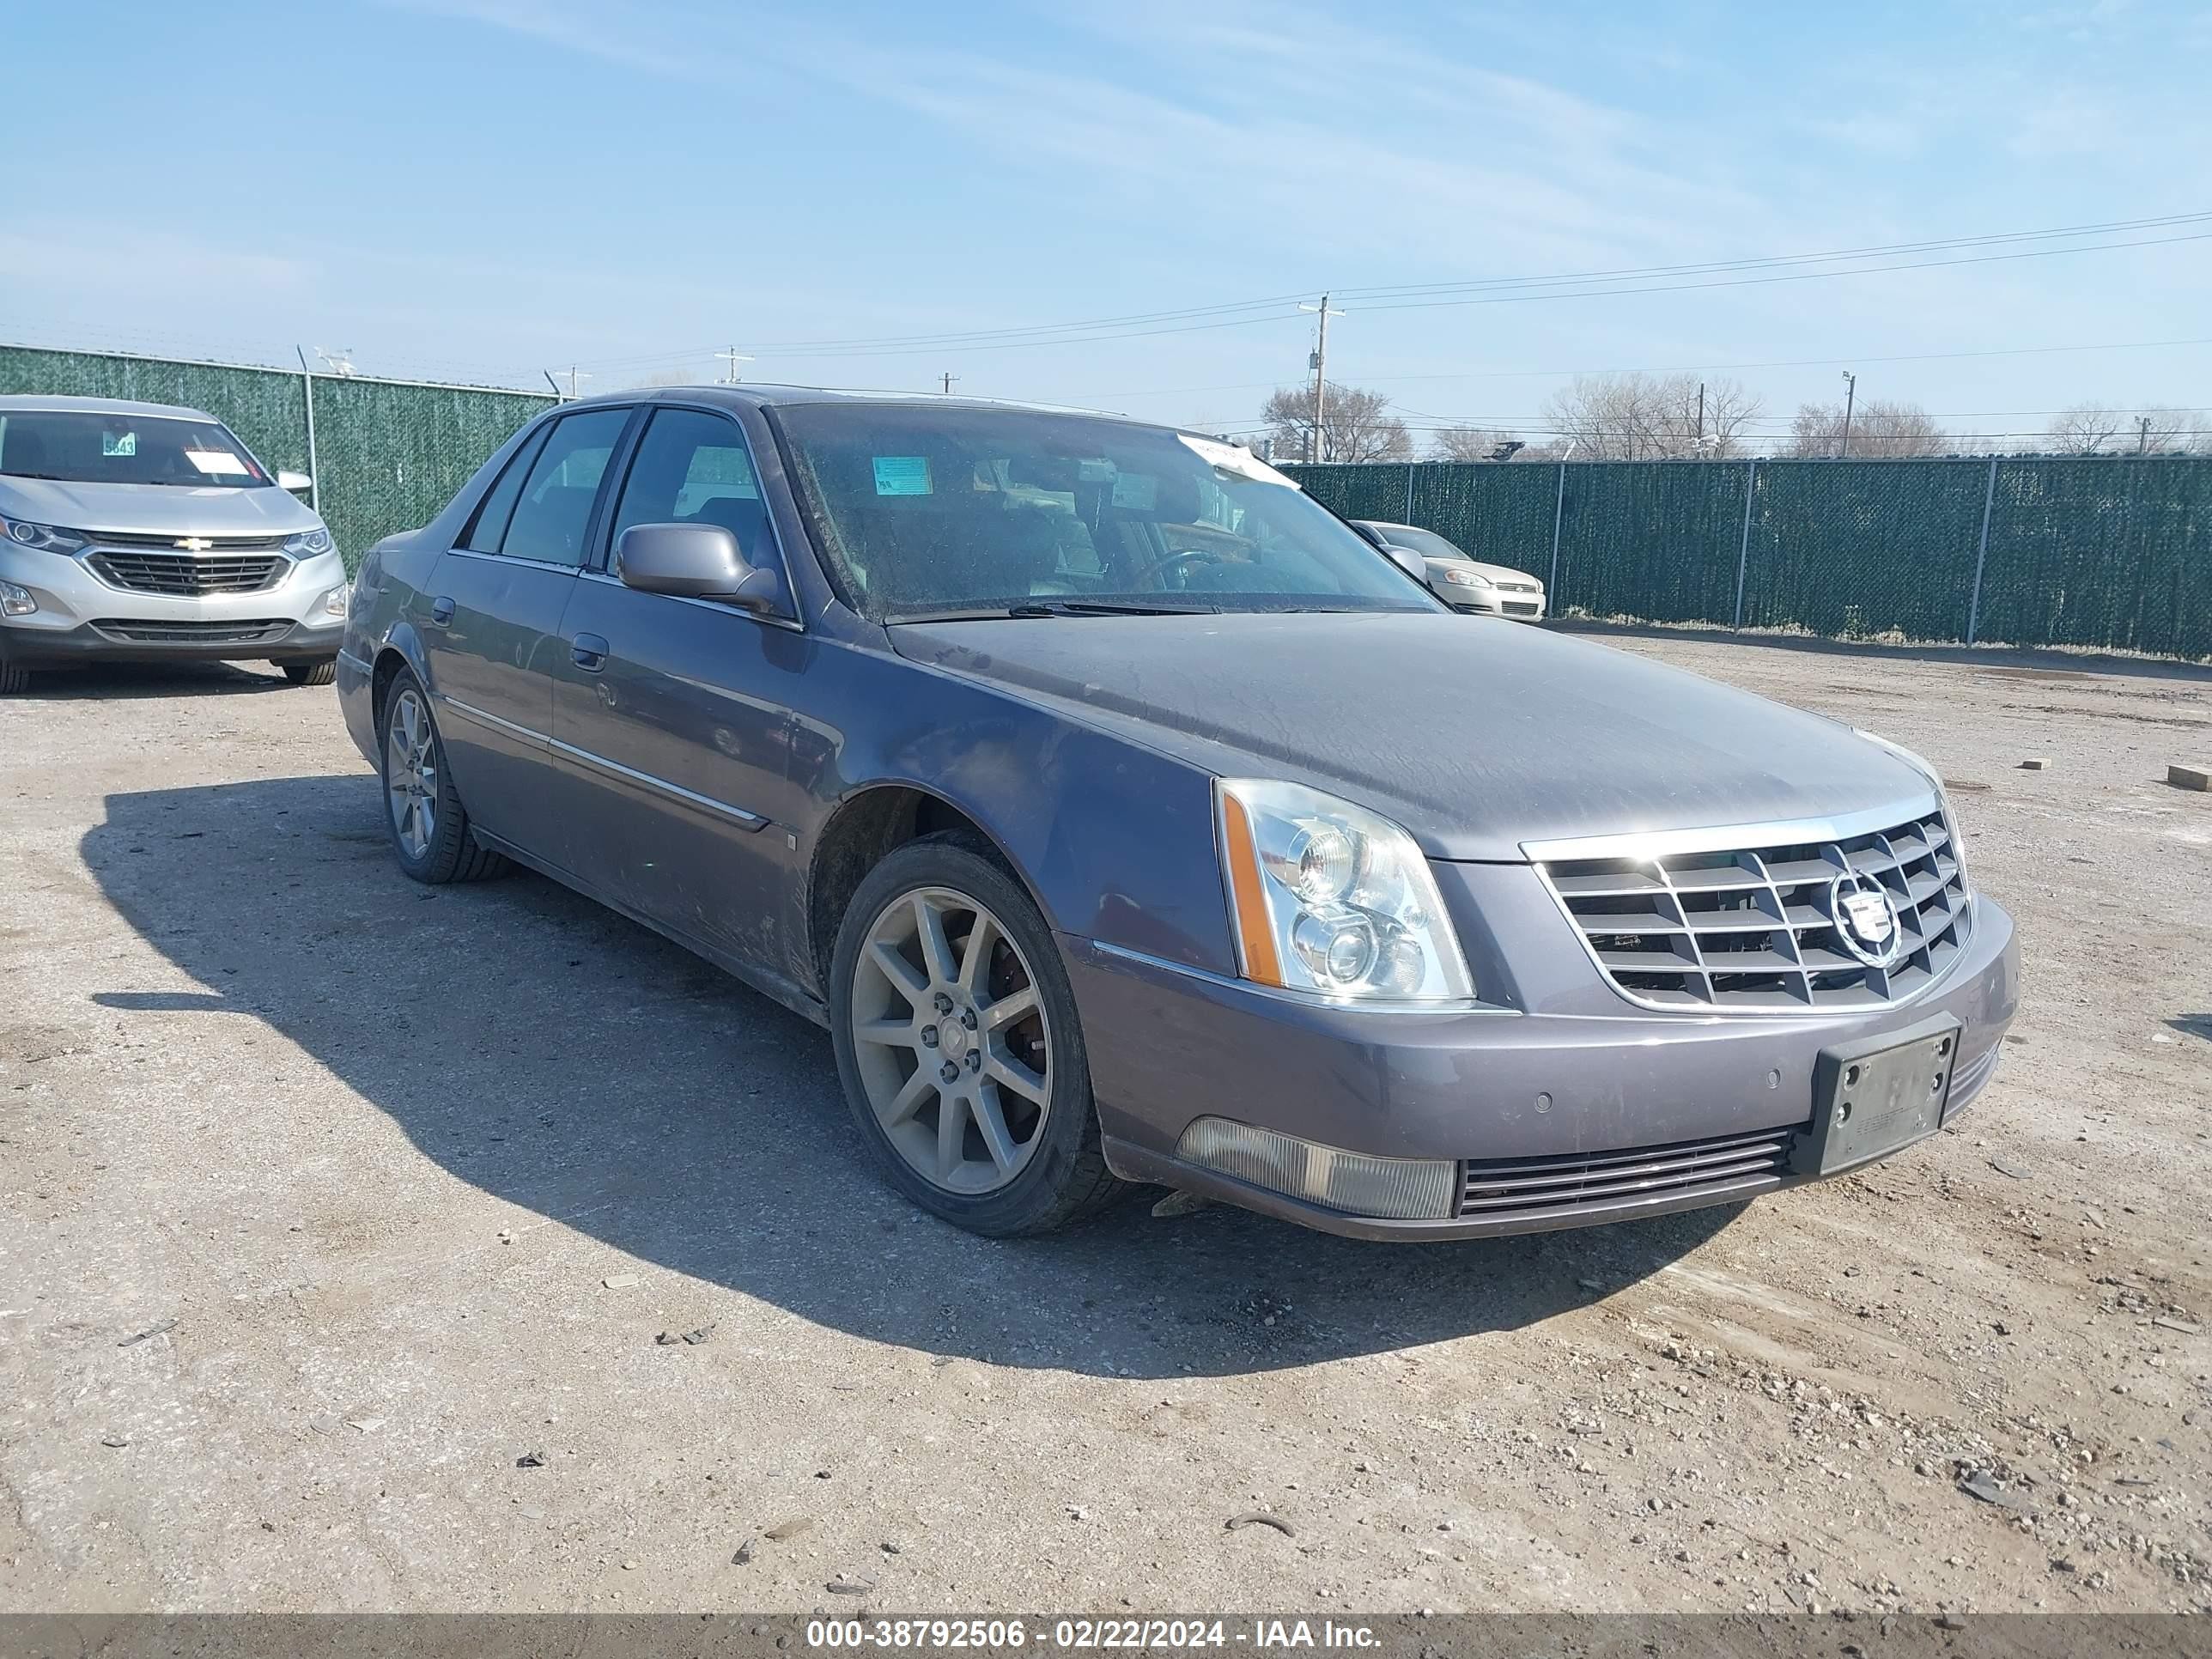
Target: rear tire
[(1019, 1153), (424, 815), (310, 673)]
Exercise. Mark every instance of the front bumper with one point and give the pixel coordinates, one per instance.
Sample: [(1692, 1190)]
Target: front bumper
[(1497, 602), (81, 617), (1615, 1116)]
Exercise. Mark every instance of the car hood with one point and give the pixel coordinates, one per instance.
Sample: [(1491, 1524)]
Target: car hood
[(1476, 738), (1497, 573), (156, 509)]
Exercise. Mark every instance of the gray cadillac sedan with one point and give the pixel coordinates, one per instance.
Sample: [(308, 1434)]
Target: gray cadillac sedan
[(1087, 781)]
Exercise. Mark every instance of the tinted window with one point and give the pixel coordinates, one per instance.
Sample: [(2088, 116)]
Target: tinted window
[(930, 510), (83, 447), (499, 505), (694, 468), (555, 506)]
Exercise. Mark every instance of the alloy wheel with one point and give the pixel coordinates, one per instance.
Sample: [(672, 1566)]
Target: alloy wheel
[(952, 1042), (411, 774)]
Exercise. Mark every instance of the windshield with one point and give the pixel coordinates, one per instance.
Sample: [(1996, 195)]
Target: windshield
[(930, 511), (1414, 539), (81, 447)]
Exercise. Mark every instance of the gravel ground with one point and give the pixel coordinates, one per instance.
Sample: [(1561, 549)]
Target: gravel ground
[(351, 1235)]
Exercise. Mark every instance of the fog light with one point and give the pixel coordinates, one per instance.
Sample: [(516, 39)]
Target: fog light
[(1392, 1188), (15, 601), (334, 603)]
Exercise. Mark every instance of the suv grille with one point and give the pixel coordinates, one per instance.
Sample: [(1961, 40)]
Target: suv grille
[(188, 575), (1752, 929), (134, 631), (1577, 1181)]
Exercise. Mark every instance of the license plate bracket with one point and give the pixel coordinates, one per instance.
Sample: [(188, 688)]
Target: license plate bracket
[(1878, 1096)]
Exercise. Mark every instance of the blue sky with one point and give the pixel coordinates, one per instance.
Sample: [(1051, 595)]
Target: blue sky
[(477, 189)]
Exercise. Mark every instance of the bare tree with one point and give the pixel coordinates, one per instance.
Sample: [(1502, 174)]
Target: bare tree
[(1645, 417), (2087, 428), (1880, 431), (1356, 425), (1467, 443), (2169, 432)]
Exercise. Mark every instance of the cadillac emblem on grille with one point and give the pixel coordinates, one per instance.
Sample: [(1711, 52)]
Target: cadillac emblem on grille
[(1866, 919)]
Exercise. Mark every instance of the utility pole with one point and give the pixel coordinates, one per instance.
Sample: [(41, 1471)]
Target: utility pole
[(2142, 435), (948, 378), (1851, 395), (1701, 414), (733, 357), (1320, 365), (574, 375)]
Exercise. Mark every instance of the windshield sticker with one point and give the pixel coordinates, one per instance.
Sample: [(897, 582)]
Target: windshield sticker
[(1093, 471), (119, 443), (1140, 490), (1235, 458), (901, 475), (217, 462)]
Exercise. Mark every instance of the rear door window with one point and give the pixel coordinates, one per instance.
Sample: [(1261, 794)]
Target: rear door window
[(553, 513)]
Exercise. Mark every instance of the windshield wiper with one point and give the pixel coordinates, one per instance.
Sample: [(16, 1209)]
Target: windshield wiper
[(1108, 608)]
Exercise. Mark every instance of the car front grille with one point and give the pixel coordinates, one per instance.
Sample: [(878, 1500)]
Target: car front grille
[(1753, 928), (1580, 1183), (188, 575), (1519, 587), (1519, 607), (137, 631)]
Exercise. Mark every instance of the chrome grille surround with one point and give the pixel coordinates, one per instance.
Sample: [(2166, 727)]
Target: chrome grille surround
[(1737, 919)]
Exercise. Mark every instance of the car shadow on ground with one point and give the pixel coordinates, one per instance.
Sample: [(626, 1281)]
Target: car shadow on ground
[(95, 682), (568, 1061)]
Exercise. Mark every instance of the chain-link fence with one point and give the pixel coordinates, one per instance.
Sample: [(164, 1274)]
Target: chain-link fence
[(385, 455), (2106, 552)]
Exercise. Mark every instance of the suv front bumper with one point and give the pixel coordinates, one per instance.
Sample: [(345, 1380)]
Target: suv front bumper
[(80, 617)]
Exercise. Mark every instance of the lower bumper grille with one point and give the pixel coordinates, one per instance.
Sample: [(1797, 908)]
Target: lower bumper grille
[(132, 631), (1519, 607), (1497, 1188), (188, 575)]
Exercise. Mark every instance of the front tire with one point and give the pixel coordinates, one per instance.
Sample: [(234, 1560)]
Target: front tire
[(14, 677), (310, 673), (424, 815), (959, 1046)]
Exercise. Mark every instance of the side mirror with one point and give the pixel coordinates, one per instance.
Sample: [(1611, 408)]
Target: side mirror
[(1409, 561), (694, 562), (294, 482)]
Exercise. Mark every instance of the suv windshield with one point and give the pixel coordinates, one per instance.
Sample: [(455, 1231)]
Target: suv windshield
[(82, 446), (1414, 539), (930, 511)]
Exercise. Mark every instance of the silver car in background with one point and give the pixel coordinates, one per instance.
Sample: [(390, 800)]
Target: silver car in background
[(144, 532), (1461, 582)]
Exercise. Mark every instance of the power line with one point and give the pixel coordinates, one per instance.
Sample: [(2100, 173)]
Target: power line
[(1495, 290)]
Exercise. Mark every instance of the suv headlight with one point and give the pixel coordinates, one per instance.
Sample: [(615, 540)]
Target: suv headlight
[(308, 542), (1936, 782), (44, 538), (1333, 900)]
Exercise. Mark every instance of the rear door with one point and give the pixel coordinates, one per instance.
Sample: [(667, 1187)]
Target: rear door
[(491, 626), (675, 714)]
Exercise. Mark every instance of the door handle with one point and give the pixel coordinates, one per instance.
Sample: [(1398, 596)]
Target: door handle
[(588, 652), (441, 611)]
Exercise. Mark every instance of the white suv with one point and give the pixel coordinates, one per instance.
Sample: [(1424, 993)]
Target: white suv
[(144, 532)]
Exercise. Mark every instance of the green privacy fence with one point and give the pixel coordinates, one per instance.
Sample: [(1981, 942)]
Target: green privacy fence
[(2103, 552), (386, 454)]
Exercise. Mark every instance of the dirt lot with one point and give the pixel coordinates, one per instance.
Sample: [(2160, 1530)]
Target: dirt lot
[(341, 1222)]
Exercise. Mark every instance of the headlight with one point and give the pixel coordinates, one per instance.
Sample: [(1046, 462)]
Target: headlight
[(1936, 782), (334, 603), (45, 537), (1330, 899), (308, 542), (1468, 578)]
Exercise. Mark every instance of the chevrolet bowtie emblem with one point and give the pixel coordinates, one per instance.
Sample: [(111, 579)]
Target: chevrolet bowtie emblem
[(195, 544)]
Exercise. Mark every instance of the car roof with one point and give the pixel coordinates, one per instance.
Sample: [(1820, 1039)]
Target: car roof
[(29, 401), (770, 395)]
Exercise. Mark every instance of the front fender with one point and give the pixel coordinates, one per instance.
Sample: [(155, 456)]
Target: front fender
[(1115, 840)]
